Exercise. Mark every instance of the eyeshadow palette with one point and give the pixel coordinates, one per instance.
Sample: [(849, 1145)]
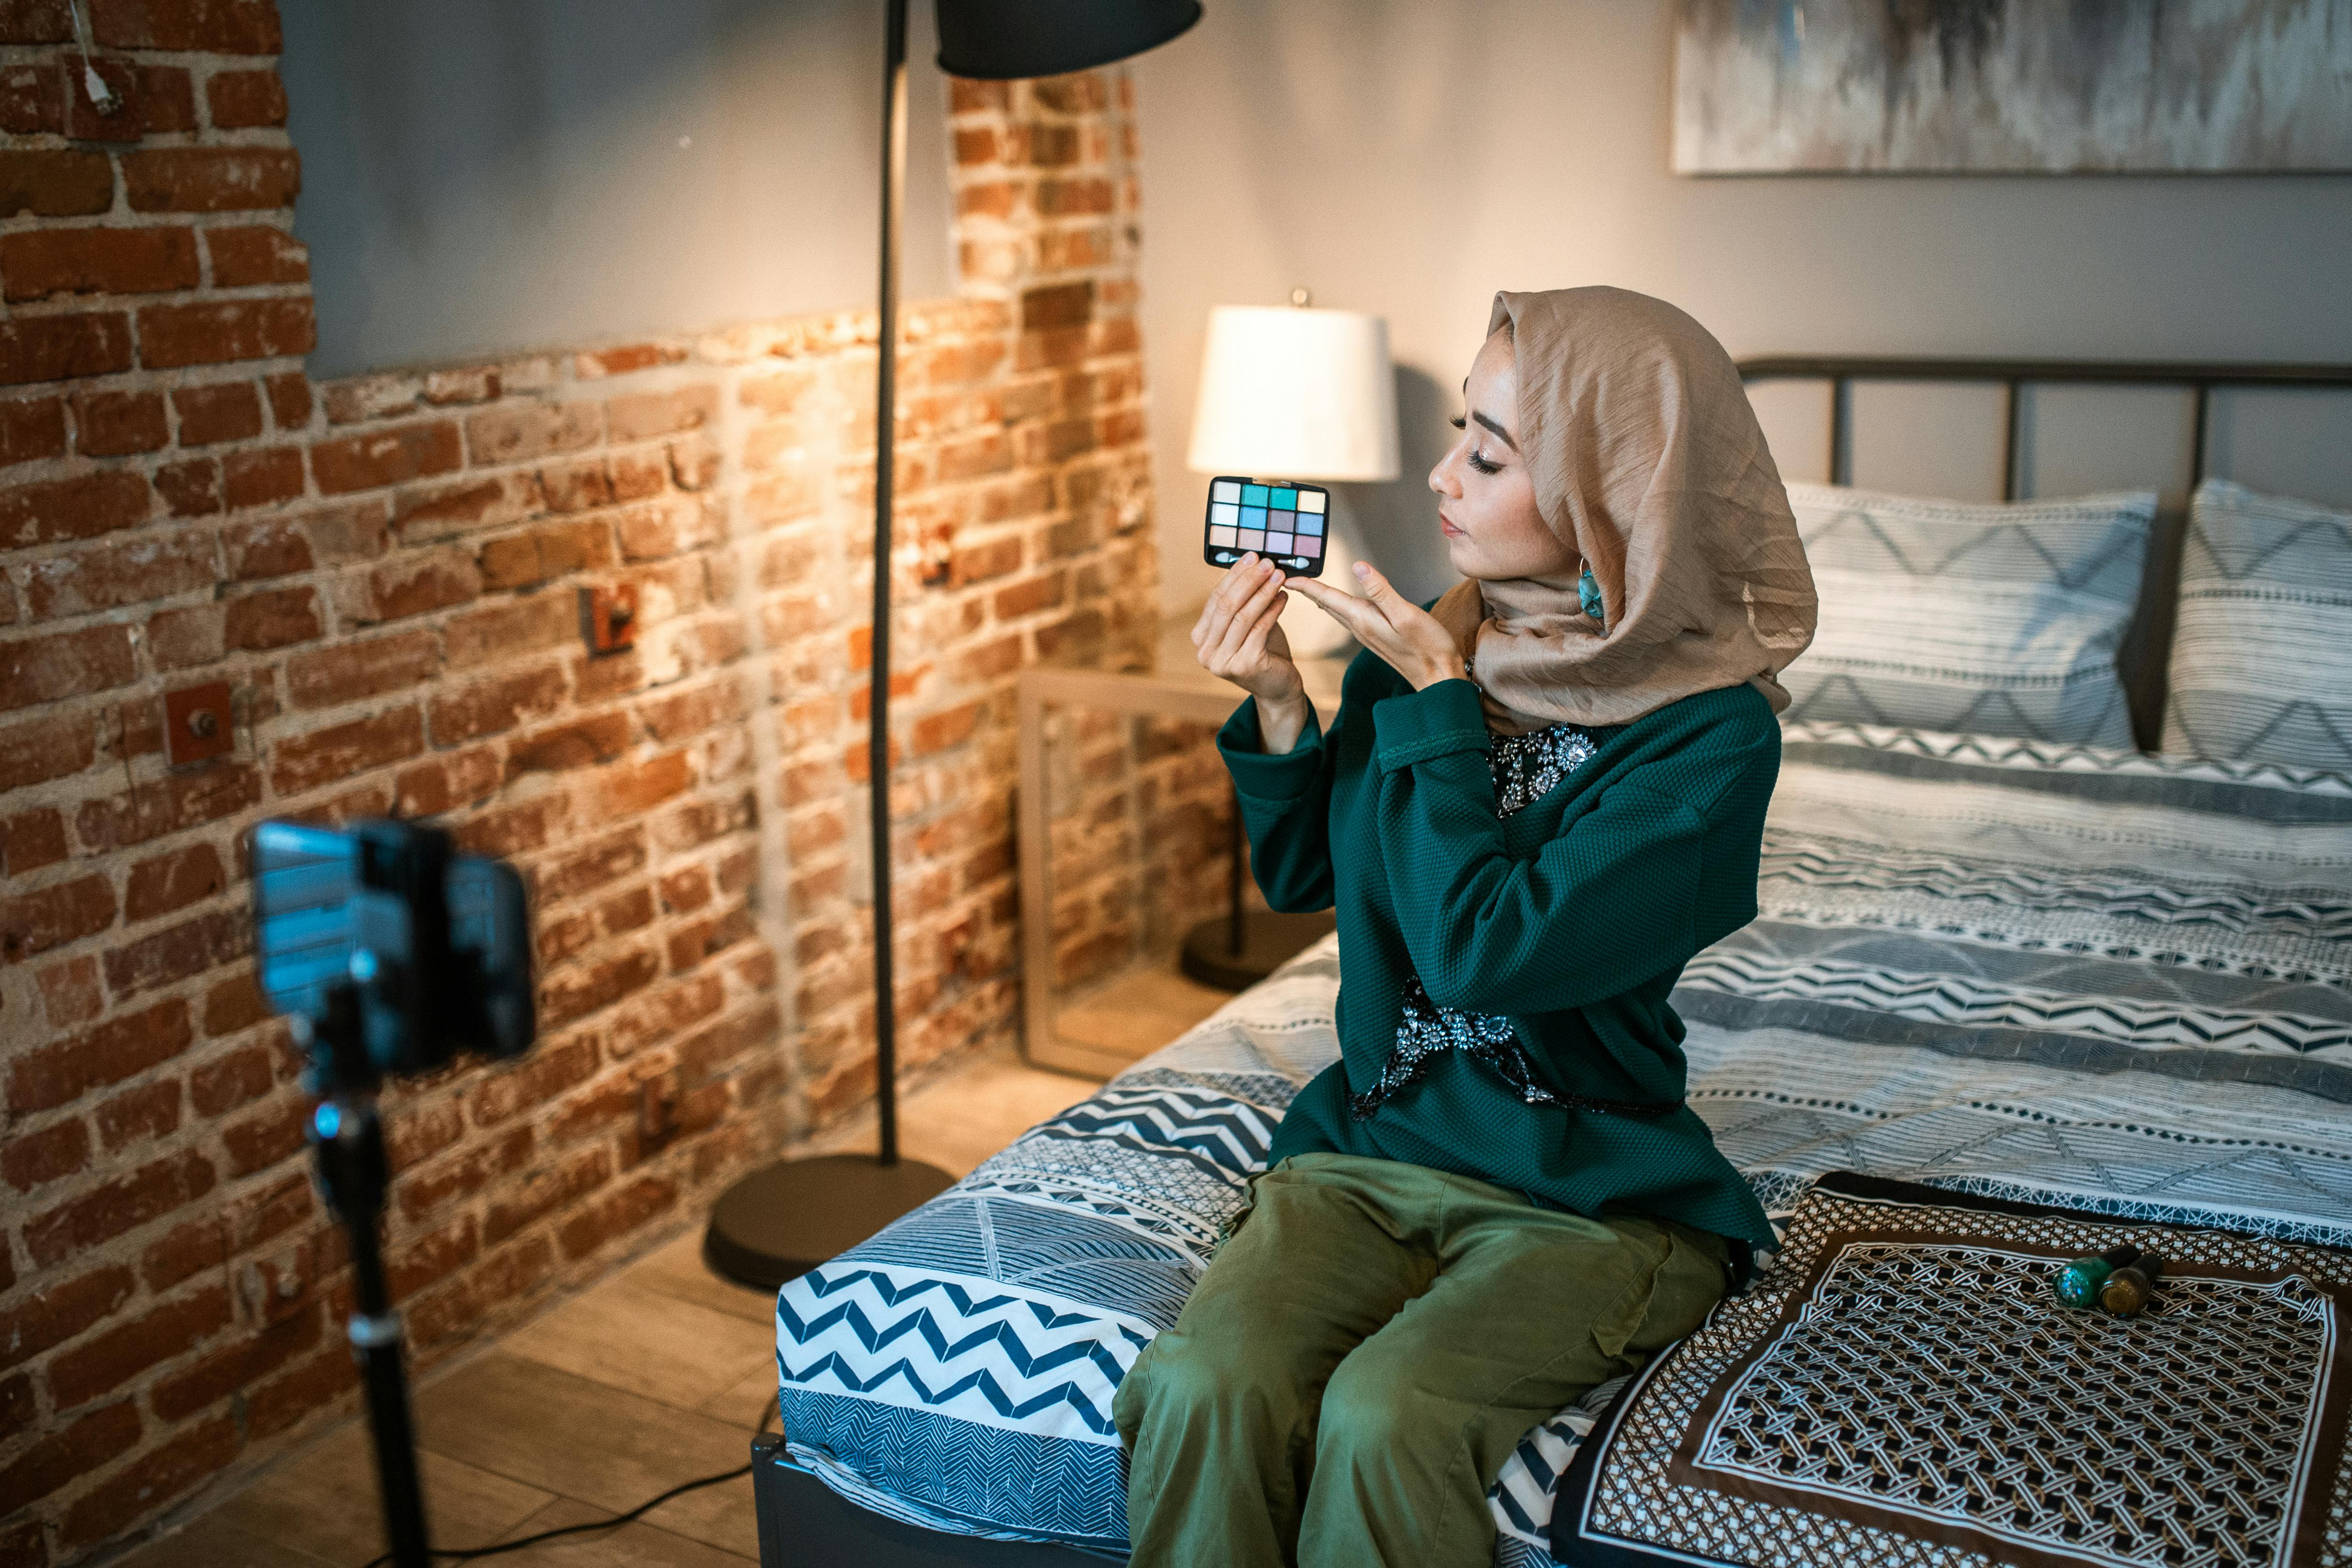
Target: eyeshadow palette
[(1284, 523)]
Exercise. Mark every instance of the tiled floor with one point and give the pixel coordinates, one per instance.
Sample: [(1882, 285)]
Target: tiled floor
[(656, 1376)]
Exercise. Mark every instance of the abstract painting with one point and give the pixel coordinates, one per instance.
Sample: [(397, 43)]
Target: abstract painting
[(2044, 86)]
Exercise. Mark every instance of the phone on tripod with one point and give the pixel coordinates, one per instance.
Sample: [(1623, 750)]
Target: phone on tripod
[(392, 953)]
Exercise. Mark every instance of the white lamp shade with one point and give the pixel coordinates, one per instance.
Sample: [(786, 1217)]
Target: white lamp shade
[(1291, 393)]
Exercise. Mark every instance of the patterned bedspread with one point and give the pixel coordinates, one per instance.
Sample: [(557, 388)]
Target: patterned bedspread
[(2119, 983)]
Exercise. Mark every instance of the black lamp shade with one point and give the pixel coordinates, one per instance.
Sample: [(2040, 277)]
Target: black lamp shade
[(1002, 39)]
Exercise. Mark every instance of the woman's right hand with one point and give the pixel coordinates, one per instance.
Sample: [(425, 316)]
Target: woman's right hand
[(1239, 638)]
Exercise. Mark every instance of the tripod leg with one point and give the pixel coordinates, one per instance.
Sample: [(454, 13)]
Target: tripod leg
[(376, 1342)]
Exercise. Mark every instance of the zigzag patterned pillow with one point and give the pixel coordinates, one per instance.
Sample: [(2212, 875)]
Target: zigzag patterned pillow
[(1978, 620), (2262, 653)]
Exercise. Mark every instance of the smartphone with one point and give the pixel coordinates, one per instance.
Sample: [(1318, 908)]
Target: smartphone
[(1282, 522)]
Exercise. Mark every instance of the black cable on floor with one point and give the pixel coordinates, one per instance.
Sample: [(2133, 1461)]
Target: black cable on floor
[(468, 1554)]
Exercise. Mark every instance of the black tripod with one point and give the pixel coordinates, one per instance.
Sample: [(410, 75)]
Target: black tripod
[(349, 1143)]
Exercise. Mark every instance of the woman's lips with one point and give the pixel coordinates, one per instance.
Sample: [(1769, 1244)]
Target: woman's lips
[(1445, 525)]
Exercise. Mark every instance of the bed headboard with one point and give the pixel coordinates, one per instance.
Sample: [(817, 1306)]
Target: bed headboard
[(2147, 645)]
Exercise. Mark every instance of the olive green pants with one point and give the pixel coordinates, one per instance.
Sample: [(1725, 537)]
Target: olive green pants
[(1366, 1351)]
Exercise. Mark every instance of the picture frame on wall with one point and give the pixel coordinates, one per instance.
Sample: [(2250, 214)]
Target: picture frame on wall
[(2012, 86)]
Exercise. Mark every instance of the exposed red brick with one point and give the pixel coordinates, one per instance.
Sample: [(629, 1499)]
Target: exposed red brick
[(69, 991), (210, 179), (273, 619), (177, 952), (31, 840), (520, 430), (216, 332), (642, 415), (191, 489), (31, 429), (111, 425), (33, 923), (385, 457), (69, 1454), (1060, 305), (52, 1313), (38, 1158), (350, 670), (32, 99), (184, 799), (185, 637), (168, 882), (85, 121), (79, 509), (266, 1137), (577, 743), (339, 750), (242, 99), (53, 745), (232, 1005), (620, 362), (575, 993), (491, 707), (616, 1215), (238, 1365), (209, 26), (54, 184), (261, 477), (192, 1455), (419, 582), (519, 560), (98, 577), (113, 1207), (225, 411), (289, 397), (36, 263), (167, 99)]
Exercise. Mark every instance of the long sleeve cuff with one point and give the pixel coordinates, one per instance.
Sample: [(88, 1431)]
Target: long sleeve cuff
[(1416, 725), (1258, 776)]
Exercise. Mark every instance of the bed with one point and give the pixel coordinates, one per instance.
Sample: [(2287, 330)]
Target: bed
[(2004, 968)]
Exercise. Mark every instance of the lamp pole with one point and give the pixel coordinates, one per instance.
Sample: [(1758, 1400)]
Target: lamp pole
[(877, 705), (785, 1218)]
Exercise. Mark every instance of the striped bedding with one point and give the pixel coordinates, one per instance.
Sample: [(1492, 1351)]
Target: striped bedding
[(2116, 982)]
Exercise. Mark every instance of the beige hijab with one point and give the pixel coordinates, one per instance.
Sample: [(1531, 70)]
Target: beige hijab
[(1647, 462)]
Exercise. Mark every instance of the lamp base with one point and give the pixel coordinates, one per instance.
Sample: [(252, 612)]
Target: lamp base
[(783, 1220), (1268, 942)]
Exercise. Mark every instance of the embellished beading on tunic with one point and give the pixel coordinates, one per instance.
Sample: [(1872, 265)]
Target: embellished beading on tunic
[(1524, 768)]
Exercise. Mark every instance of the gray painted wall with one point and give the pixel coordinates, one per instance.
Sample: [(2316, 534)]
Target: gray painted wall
[(479, 177), (1409, 157)]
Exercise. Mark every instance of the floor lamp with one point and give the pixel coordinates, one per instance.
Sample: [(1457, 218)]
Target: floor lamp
[(785, 1218)]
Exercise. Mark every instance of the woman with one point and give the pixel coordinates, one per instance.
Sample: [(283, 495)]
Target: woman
[(1540, 797)]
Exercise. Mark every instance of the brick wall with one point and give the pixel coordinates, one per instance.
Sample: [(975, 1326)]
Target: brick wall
[(385, 570)]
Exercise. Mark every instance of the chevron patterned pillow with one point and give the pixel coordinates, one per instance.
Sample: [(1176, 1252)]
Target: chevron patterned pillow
[(1998, 619), (2262, 655)]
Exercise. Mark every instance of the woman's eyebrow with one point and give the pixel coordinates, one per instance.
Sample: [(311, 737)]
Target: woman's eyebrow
[(1496, 429)]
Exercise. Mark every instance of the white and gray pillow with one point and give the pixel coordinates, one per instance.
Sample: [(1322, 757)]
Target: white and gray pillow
[(2262, 650), (1997, 618)]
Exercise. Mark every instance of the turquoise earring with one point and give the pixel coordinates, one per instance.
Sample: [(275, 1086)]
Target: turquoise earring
[(1588, 594)]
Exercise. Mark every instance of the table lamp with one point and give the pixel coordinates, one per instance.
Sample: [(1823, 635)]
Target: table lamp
[(1286, 392), (785, 1218)]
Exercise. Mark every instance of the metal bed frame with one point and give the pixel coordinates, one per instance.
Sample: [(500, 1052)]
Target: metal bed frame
[(803, 1523)]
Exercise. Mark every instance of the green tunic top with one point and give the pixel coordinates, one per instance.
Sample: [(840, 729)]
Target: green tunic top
[(1574, 918)]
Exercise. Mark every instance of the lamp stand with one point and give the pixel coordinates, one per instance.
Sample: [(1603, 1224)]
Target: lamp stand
[(785, 1218)]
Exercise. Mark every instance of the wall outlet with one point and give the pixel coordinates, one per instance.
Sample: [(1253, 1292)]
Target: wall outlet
[(198, 724)]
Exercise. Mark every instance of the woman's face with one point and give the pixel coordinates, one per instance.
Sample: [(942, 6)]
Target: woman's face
[(1486, 498)]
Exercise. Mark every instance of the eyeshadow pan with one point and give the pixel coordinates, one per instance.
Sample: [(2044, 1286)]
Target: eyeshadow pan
[(1308, 523), (1222, 538), (1223, 515), (1252, 517), (1225, 490), (1251, 538), (1277, 544), (1286, 500), (1310, 547), (1310, 500), (1253, 495)]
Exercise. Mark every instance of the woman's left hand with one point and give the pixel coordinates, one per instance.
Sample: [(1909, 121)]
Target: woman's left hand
[(1390, 625)]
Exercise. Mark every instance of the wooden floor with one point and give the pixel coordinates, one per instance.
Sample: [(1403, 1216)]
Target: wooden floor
[(656, 1376)]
